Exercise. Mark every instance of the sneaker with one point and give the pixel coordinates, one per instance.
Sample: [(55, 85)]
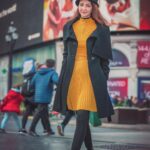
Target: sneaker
[(2, 130), (32, 133), (60, 130), (22, 131)]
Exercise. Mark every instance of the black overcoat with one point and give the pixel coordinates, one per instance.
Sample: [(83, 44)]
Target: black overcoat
[(98, 53)]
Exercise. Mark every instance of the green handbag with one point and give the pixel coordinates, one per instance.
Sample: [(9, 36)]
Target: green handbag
[(94, 119)]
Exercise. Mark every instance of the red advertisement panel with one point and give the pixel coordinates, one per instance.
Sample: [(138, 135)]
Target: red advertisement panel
[(144, 15), (143, 57), (118, 86)]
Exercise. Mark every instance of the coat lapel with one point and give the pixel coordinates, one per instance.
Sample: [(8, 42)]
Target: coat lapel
[(102, 45), (69, 30)]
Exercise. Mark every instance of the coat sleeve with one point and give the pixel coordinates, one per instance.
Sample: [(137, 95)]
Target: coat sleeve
[(55, 78), (104, 61), (107, 49), (57, 102), (65, 53)]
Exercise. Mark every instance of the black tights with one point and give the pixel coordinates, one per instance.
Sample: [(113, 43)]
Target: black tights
[(82, 132), (28, 111), (67, 118)]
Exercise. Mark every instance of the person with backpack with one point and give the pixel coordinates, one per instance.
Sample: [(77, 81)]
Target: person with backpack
[(30, 106), (28, 92), (42, 83), (29, 70)]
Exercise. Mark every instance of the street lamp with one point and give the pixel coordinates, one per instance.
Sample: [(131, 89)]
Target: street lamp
[(11, 37)]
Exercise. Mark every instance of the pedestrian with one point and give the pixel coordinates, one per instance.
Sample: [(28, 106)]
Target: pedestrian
[(29, 104), (42, 83), (10, 105), (29, 69), (82, 85), (60, 128)]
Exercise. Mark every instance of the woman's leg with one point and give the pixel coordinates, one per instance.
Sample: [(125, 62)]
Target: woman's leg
[(16, 119), (5, 120), (88, 139), (67, 118), (82, 129)]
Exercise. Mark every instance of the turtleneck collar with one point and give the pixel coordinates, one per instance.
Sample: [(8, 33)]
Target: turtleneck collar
[(86, 20)]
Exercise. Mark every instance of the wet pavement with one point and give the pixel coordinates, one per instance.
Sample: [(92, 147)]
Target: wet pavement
[(18, 142), (13, 141), (103, 139)]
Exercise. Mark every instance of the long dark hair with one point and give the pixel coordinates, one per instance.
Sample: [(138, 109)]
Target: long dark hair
[(96, 15)]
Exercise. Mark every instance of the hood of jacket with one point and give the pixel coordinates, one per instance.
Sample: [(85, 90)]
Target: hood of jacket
[(13, 93), (44, 71)]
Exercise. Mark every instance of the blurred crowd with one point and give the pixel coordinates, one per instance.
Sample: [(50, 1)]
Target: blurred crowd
[(132, 101)]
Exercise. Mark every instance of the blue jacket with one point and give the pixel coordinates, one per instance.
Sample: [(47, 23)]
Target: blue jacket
[(43, 82)]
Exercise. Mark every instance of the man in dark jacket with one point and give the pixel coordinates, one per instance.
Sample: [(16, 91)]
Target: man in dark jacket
[(28, 72), (43, 82), (30, 106)]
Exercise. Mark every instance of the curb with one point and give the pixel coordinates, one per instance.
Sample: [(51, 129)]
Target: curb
[(138, 127)]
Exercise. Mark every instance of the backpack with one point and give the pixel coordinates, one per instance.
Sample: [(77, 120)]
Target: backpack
[(29, 67), (27, 90)]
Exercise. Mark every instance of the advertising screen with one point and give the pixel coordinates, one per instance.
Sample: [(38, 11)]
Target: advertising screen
[(43, 20), (26, 17), (56, 14), (122, 15), (119, 59), (118, 86), (126, 15), (143, 55), (144, 15), (143, 88)]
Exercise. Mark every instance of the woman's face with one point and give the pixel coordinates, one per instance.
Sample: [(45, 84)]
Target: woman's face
[(85, 8)]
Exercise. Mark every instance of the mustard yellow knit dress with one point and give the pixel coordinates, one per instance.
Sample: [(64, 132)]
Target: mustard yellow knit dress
[(80, 94)]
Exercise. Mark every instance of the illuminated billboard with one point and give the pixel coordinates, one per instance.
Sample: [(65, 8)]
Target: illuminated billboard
[(122, 15), (43, 20), (27, 17), (56, 14)]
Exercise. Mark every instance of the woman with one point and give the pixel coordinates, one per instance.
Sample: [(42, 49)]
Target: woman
[(82, 85)]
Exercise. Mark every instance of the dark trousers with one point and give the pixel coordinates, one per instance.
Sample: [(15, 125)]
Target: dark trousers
[(41, 113), (82, 131), (28, 111), (67, 118)]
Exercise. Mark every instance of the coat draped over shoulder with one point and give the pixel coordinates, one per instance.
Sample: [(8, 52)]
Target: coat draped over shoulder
[(98, 54)]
